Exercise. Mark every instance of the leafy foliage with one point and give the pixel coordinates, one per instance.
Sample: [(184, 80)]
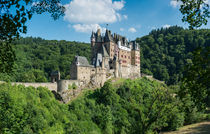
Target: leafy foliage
[(165, 52), (13, 17), (196, 78), (195, 12), (15, 13), (7, 57), (30, 110), (137, 106)]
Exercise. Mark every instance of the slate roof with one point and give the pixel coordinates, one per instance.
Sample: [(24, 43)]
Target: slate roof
[(55, 73), (98, 60), (104, 51), (82, 61), (108, 36)]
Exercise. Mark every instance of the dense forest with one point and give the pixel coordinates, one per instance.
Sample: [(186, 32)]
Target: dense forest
[(37, 58), (136, 106), (166, 51)]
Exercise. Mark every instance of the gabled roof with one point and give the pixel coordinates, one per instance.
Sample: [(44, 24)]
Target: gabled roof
[(82, 61)]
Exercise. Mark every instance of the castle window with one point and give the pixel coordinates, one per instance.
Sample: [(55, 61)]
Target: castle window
[(124, 61), (122, 56), (125, 56)]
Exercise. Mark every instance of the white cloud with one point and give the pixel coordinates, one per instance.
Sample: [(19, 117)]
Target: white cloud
[(175, 3), (166, 26), (87, 28), (118, 5), (132, 30), (125, 17), (153, 27), (122, 29), (93, 11), (87, 15), (207, 2)]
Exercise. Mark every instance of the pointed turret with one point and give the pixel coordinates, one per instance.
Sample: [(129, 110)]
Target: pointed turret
[(99, 32), (108, 36), (93, 37)]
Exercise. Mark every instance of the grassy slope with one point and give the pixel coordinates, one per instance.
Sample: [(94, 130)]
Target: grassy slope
[(198, 128)]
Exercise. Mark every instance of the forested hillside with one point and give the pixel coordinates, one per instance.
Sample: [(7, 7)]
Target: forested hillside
[(37, 58), (165, 52), (137, 106)]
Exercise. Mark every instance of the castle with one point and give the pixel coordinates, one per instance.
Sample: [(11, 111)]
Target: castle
[(112, 56)]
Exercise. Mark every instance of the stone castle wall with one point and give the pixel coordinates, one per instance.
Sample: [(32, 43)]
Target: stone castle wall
[(63, 85), (50, 86), (130, 71)]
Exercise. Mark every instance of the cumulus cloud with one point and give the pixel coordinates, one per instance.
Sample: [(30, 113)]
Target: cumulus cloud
[(122, 29), (166, 26), (87, 28), (85, 14), (125, 17), (132, 30), (118, 5)]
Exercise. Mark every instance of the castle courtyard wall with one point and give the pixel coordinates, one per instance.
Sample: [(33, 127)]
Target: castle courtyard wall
[(63, 85), (130, 71), (50, 86)]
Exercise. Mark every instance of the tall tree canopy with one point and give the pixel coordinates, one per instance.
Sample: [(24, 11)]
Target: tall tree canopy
[(165, 52)]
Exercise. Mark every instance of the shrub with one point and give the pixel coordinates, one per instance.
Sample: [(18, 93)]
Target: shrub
[(74, 86)]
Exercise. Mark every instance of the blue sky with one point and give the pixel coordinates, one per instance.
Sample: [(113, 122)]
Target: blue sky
[(130, 18)]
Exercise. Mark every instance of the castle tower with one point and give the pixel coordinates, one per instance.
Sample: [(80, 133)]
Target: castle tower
[(93, 43), (135, 56)]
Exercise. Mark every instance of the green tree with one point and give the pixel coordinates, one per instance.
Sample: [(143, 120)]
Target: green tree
[(7, 57), (195, 12), (171, 48), (15, 13), (13, 17), (196, 78)]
